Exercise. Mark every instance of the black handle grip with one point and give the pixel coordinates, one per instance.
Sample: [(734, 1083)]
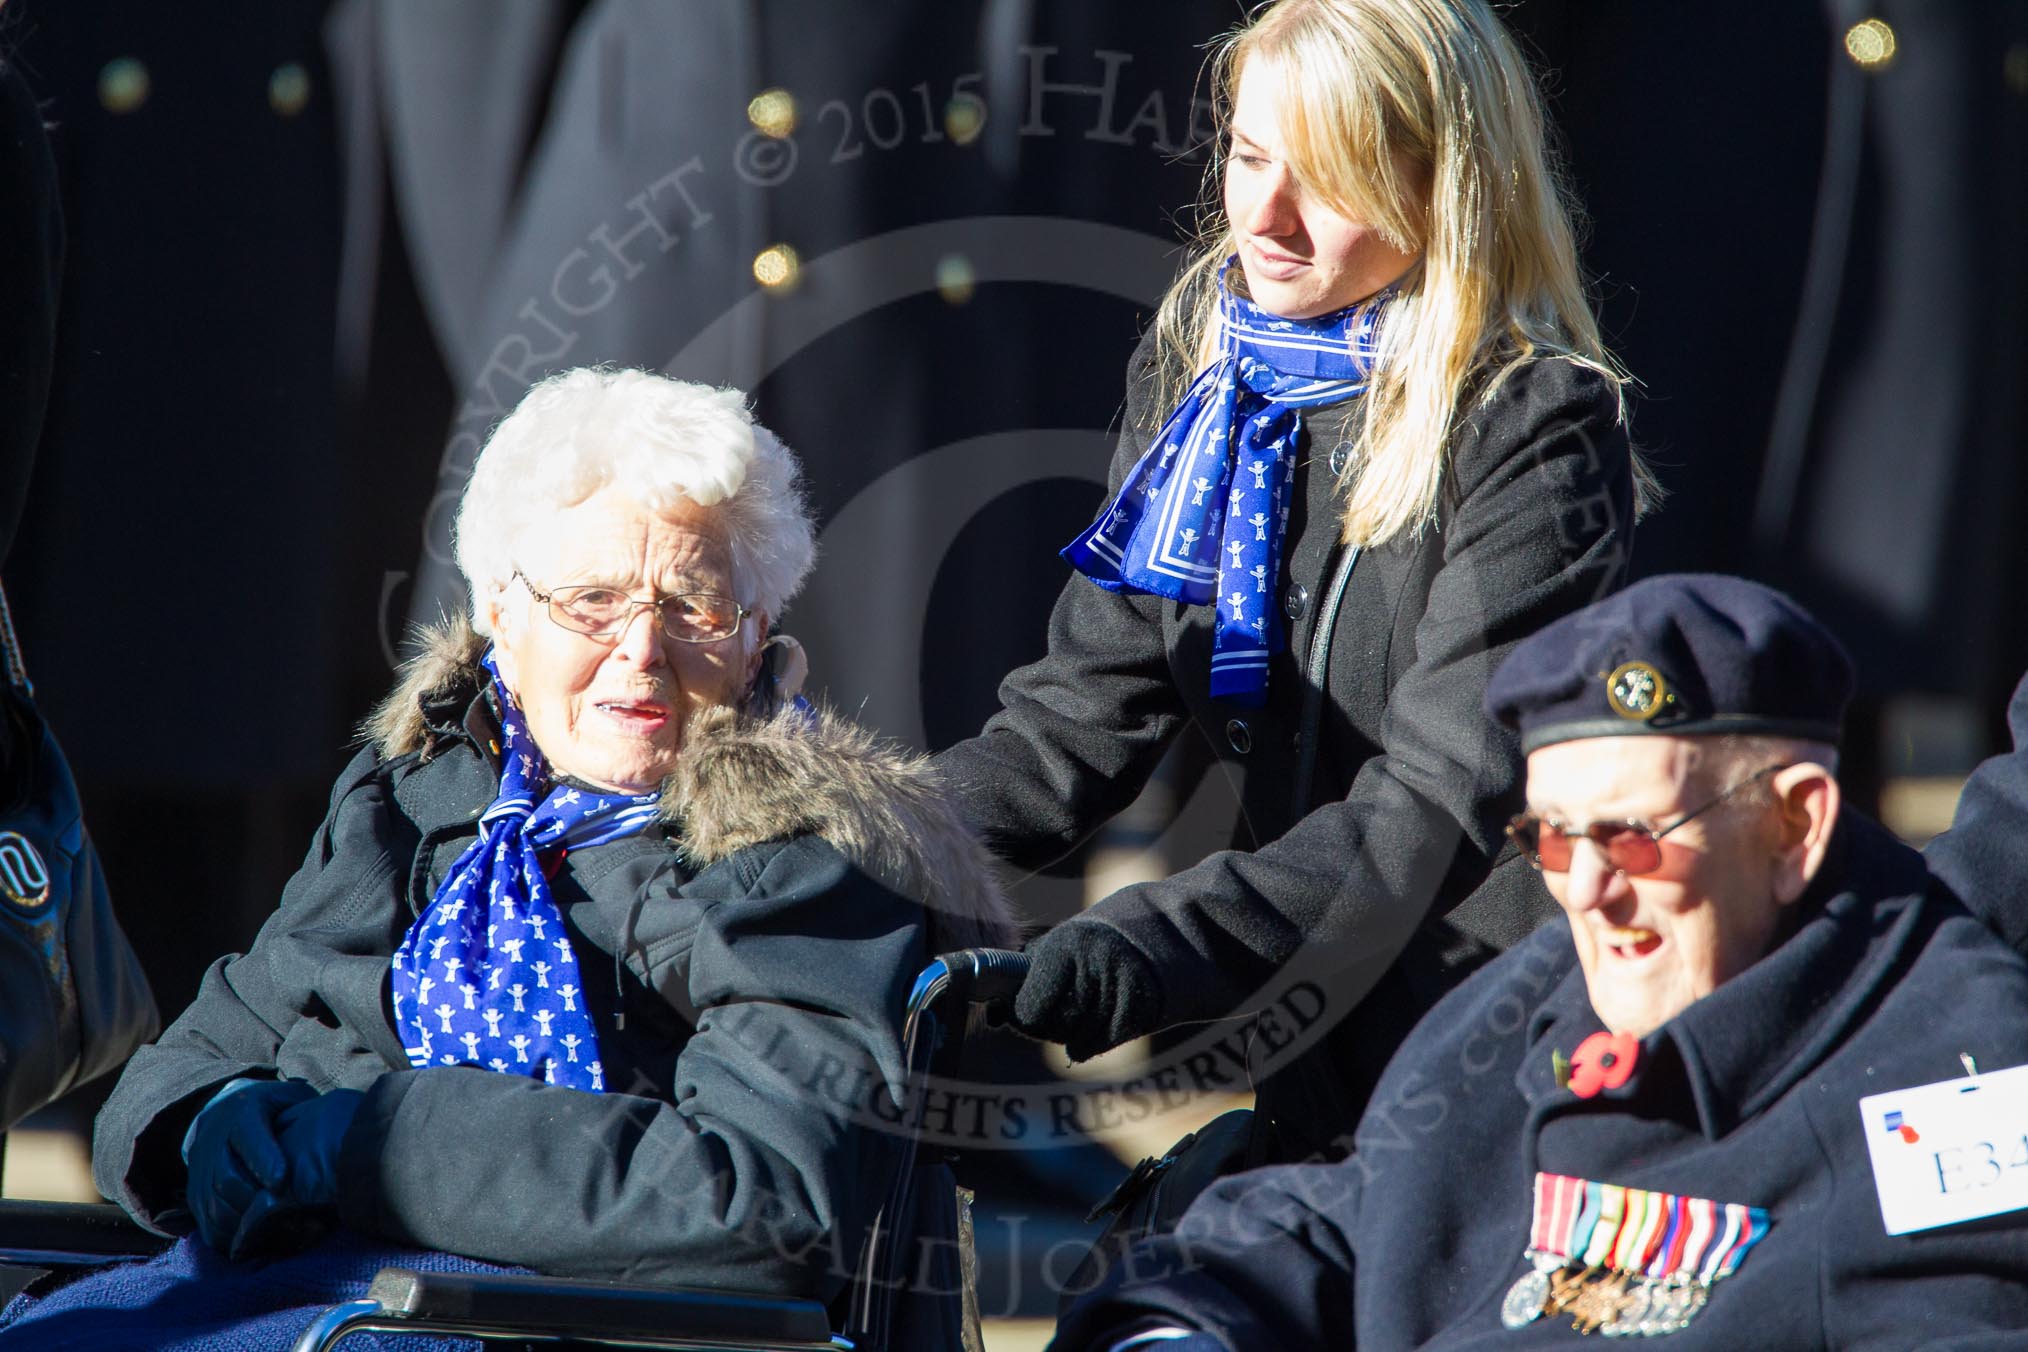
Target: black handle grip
[(956, 980), (983, 975)]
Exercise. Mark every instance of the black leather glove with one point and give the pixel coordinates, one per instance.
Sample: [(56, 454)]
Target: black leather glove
[(1088, 988), (233, 1153)]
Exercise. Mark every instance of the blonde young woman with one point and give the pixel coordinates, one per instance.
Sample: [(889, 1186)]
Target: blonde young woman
[(1371, 441)]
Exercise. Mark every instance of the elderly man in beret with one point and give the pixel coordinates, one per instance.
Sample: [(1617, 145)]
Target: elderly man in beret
[(1756, 1093)]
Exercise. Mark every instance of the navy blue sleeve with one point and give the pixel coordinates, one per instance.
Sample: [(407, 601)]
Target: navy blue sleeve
[(1260, 1260)]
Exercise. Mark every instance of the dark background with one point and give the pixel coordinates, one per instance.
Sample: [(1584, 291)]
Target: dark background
[(1813, 268)]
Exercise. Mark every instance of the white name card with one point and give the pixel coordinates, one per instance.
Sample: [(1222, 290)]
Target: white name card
[(1951, 1151)]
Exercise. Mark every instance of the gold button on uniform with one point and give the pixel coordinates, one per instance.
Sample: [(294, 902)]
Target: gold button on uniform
[(1871, 44), (2015, 67), (955, 278), (123, 85), (773, 113), (777, 267), (289, 89), (963, 117)]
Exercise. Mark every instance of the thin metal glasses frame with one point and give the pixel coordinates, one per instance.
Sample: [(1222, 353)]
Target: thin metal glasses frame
[(619, 626), (1527, 829)]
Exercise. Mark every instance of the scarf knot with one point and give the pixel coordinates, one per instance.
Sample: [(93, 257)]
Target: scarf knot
[(486, 975), (1200, 517)]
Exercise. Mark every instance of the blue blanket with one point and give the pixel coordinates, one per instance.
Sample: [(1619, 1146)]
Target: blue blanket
[(193, 1299)]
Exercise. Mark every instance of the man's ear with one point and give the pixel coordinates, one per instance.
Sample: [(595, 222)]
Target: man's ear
[(1807, 801)]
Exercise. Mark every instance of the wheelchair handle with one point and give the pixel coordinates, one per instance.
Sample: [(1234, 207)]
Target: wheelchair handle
[(970, 976), (983, 975)]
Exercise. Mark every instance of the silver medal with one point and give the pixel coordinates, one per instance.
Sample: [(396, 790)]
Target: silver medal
[(1523, 1305), (1635, 1305), (1671, 1308), (1660, 1316), (1689, 1303)]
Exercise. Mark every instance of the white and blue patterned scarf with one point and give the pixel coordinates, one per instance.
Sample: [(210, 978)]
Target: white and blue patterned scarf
[(487, 975), (1200, 517)]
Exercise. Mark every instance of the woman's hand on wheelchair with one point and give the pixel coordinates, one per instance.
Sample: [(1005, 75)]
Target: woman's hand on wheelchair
[(1088, 988)]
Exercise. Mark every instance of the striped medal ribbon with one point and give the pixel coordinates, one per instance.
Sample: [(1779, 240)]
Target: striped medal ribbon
[(1626, 1261)]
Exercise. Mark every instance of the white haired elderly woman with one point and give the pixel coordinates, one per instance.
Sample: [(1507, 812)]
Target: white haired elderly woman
[(596, 963)]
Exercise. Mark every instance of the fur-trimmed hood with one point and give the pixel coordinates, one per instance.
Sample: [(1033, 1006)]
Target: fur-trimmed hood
[(744, 780)]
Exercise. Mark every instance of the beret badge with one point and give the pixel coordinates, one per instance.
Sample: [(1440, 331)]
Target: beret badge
[(1637, 691)]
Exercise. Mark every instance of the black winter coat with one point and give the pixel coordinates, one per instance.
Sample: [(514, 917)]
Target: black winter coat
[(1750, 1095), (746, 965), (1360, 835)]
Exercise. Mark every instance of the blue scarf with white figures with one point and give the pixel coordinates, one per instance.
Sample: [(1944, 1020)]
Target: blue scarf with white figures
[(487, 976), (1200, 517)]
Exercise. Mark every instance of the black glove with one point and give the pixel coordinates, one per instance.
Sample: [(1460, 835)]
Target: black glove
[(1088, 988), (233, 1154), (286, 1219)]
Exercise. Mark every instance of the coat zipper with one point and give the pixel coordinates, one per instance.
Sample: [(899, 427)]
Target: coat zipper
[(1315, 674)]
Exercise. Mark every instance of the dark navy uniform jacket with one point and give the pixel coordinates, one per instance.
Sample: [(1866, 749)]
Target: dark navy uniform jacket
[(1750, 1095)]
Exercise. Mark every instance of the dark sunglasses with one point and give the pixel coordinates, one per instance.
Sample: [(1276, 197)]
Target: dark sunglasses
[(1632, 849)]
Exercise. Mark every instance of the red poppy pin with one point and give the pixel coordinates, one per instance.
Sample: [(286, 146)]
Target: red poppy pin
[(1602, 1061)]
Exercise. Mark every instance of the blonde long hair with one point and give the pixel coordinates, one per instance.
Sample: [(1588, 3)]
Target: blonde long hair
[(1420, 118)]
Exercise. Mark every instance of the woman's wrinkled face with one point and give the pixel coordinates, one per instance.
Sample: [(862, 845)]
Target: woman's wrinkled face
[(611, 711), (1301, 258)]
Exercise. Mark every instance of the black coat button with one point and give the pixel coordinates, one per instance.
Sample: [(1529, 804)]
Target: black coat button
[(1297, 602), (1341, 455), (1239, 736)]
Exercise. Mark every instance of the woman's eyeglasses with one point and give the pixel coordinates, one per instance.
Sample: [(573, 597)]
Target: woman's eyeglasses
[(601, 612), (1632, 849)]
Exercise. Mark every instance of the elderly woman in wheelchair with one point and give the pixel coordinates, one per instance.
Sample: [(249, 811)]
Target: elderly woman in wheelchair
[(588, 914)]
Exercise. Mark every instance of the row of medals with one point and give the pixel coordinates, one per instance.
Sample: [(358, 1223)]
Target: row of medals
[(1601, 1300)]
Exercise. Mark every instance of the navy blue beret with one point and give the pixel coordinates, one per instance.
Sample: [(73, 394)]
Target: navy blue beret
[(1684, 654)]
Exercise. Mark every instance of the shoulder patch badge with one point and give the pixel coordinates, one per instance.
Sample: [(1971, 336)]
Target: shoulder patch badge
[(24, 878)]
